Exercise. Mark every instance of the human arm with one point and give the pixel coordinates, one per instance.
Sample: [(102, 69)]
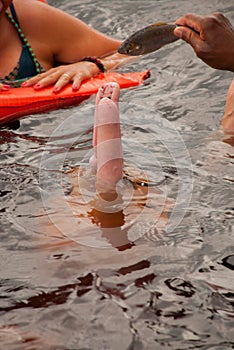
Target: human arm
[(211, 37), (228, 118), (60, 41)]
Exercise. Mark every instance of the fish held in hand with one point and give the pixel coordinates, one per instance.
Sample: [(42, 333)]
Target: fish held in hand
[(148, 39)]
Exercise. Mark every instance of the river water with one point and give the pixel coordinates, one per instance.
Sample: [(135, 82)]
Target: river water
[(67, 287)]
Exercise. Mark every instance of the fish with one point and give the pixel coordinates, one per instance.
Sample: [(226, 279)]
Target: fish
[(148, 39)]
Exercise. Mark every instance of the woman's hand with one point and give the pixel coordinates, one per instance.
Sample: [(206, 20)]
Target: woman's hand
[(211, 37), (4, 87), (61, 76)]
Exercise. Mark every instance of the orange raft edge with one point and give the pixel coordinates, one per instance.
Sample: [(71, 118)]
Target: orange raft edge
[(20, 102)]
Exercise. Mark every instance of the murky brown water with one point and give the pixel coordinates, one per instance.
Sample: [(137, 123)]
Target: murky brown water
[(172, 289)]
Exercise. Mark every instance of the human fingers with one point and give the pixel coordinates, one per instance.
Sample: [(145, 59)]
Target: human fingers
[(62, 75), (80, 71), (75, 78), (44, 79), (202, 48), (205, 26), (62, 81), (192, 27), (188, 35), (4, 87), (88, 71), (189, 29), (191, 21)]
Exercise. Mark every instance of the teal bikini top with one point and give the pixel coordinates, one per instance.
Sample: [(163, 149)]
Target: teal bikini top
[(28, 65)]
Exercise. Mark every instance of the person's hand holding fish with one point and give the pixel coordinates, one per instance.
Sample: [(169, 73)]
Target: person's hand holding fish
[(211, 37)]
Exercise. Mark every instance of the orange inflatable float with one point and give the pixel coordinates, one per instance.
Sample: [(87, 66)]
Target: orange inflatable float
[(19, 102)]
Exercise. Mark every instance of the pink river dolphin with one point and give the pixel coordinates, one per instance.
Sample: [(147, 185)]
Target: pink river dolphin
[(107, 162), (116, 211), (108, 154)]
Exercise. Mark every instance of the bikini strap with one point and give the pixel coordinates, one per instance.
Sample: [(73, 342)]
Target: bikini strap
[(15, 18), (13, 13)]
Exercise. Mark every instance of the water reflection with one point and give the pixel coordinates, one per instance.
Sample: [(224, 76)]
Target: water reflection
[(169, 291)]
